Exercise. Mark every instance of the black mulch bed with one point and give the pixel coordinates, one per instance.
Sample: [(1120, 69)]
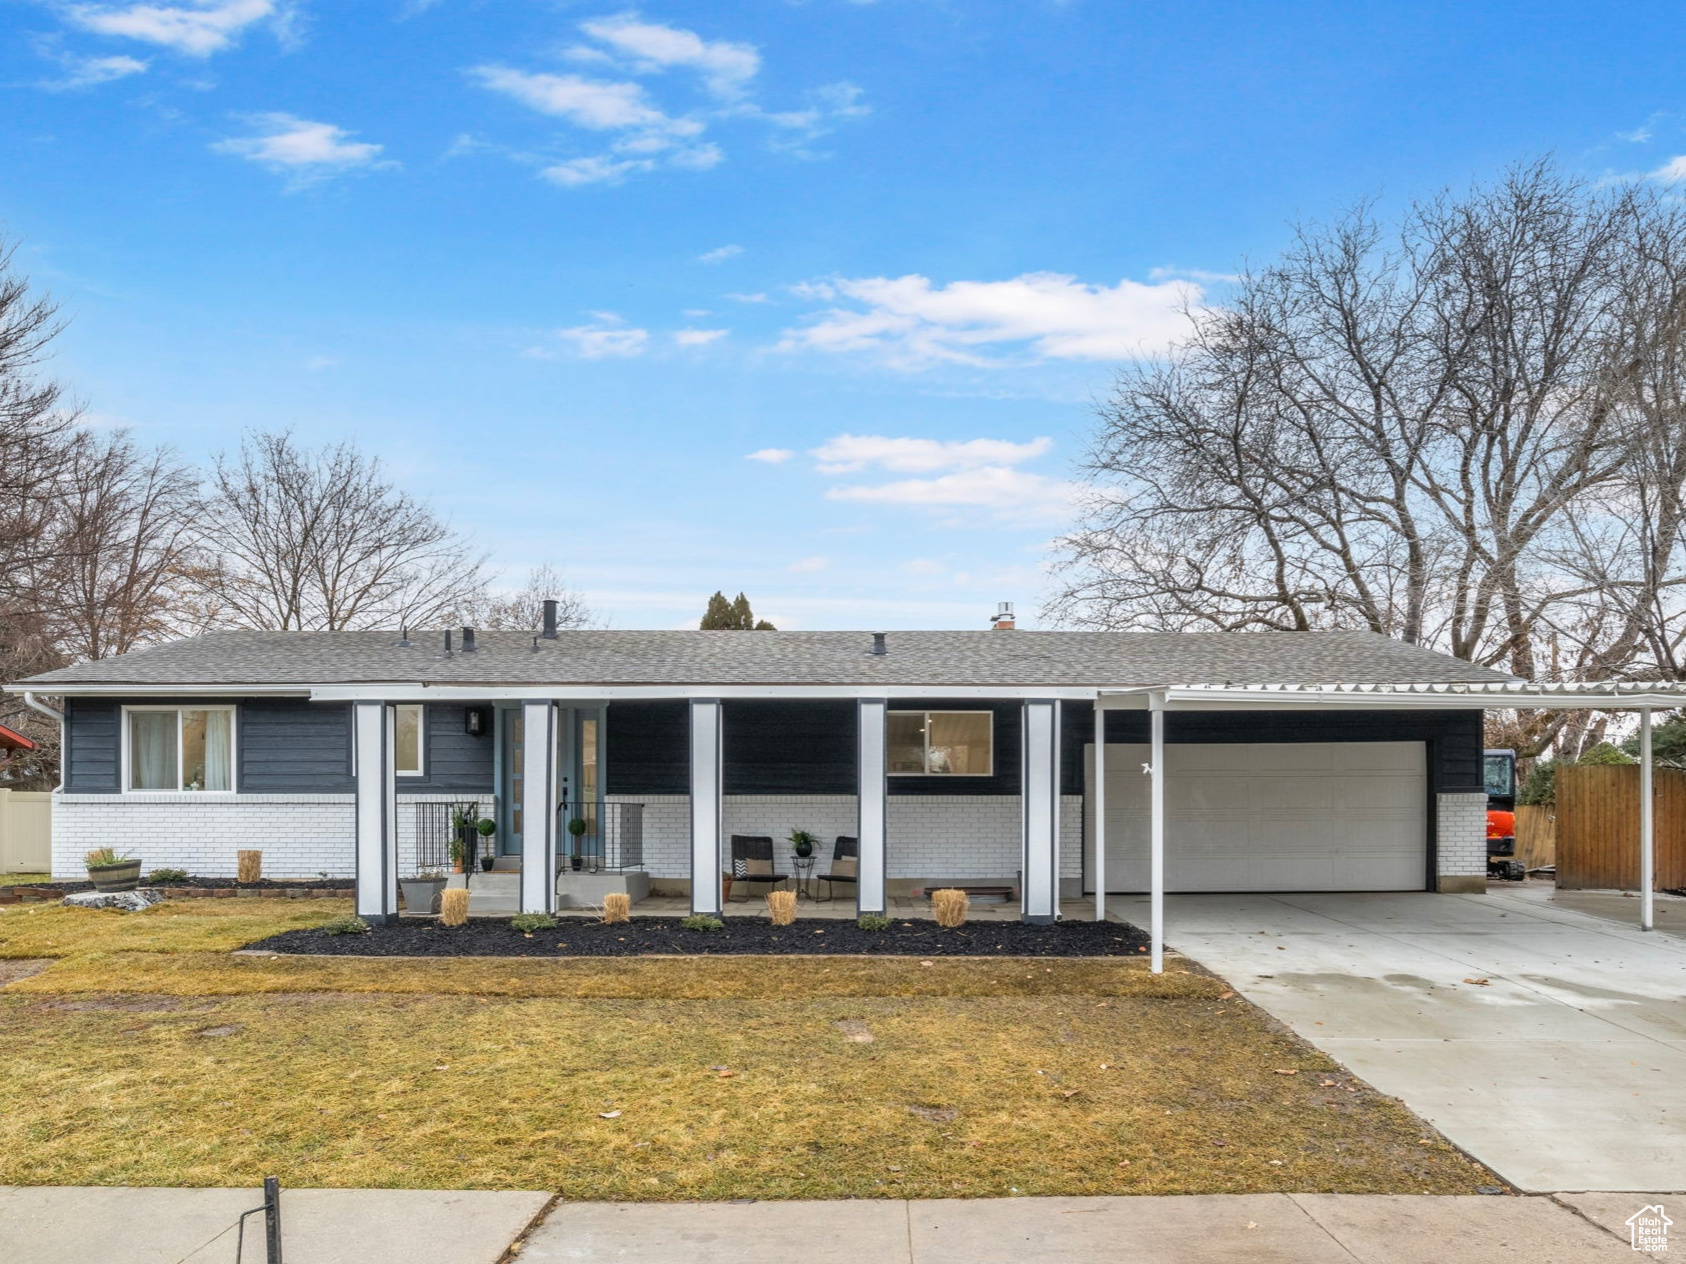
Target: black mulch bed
[(664, 936), (273, 884)]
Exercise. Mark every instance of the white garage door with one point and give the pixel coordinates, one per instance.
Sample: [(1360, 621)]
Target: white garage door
[(1303, 816)]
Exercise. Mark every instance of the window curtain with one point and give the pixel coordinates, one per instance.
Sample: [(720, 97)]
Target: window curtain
[(219, 750), (152, 751)]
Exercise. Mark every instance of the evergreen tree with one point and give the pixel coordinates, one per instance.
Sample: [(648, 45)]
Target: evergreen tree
[(732, 616)]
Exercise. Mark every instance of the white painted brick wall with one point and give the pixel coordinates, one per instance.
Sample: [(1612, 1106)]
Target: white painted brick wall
[(300, 835), (1461, 835), (930, 836)]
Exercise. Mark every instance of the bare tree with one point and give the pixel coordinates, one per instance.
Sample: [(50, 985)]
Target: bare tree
[(522, 610), (127, 543), (322, 540)]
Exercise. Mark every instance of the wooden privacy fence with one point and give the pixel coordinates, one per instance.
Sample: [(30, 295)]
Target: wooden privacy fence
[(26, 831), (1536, 835), (1598, 827)]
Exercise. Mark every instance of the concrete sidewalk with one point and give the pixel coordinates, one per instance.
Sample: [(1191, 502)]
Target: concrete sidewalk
[(96, 1225), (1258, 1228), (382, 1226)]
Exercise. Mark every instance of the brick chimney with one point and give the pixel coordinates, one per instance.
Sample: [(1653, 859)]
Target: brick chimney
[(1003, 621)]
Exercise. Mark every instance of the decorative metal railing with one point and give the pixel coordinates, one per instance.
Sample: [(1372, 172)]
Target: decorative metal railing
[(593, 837), (438, 825)]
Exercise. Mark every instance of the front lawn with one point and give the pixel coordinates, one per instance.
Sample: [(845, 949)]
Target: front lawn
[(144, 1054)]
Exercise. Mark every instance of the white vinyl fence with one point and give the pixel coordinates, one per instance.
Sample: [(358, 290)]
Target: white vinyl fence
[(26, 831)]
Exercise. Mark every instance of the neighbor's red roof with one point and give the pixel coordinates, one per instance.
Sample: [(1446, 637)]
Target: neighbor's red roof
[(12, 740)]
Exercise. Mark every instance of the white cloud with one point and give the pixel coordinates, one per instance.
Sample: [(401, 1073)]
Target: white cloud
[(1001, 492), (1671, 172), (88, 72), (747, 298), (772, 456), (911, 322), (808, 565), (971, 474), (719, 254), (302, 146), (597, 169), (197, 29), (607, 336), (586, 103), (848, 453), (726, 67), (699, 337)]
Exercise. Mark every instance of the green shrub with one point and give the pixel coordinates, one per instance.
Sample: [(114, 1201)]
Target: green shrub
[(527, 923), (873, 921), (166, 877), (1539, 787), (702, 921), (350, 924), (1605, 753)]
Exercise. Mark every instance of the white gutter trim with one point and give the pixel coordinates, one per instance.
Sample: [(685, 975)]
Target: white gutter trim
[(105, 690), (609, 693)]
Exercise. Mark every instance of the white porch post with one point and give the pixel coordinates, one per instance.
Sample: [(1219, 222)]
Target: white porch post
[(1098, 802), (376, 812), (1039, 774), (706, 804), (1647, 825), (539, 762), (872, 807), (1156, 855)]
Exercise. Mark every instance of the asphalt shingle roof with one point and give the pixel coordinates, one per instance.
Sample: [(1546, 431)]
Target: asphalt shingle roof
[(935, 659)]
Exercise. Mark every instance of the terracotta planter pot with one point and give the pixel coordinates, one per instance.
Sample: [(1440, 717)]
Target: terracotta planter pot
[(725, 887), (123, 877)]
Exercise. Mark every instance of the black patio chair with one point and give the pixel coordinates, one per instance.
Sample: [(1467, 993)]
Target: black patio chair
[(845, 865), (752, 861)]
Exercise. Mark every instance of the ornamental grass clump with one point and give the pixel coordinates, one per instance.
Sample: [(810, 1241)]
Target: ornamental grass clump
[(873, 921), (453, 906), (702, 921), (527, 923), (350, 924), (950, 907), (617, 907), (166, 877), (249, 866), (781, 907)]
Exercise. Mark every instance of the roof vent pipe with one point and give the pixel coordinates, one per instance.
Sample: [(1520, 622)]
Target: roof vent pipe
[(1003, 621), (879, 648), (468, 640), (549, 619), (403, 641)]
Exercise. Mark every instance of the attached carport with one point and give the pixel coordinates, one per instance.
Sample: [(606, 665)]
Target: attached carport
[(1265, 817)]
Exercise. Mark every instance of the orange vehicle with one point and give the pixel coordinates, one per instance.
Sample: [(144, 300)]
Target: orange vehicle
[(1498, 768)]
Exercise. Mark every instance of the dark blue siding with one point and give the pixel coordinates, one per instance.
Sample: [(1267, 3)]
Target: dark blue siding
[(647, 746), (454, 761), (790, 747), (91, 751), (294, 746)]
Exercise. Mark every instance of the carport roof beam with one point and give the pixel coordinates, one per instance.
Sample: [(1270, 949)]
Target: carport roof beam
[(1517, 695)]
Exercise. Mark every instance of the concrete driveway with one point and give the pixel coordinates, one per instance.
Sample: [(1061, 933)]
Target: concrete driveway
[(1562, 1067)]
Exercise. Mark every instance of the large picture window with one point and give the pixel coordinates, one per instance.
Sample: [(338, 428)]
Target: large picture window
[(179, 749), (941, 743)]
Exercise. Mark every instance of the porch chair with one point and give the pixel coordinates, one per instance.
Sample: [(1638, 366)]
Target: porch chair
[(845, 865), (752, 861)]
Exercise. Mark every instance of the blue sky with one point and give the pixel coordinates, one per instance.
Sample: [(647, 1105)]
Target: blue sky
[(812, 300)]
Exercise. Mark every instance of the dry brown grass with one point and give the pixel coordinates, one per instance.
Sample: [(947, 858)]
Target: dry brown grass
[(781, 907), (617, 907), (147, 1055), (950, 907), (248, 866)]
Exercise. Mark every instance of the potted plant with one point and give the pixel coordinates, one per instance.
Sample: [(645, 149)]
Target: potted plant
[(577, 828), (486, 828), (457, 854), (803, 842), (421, 892), (110, 872), (725, 887)]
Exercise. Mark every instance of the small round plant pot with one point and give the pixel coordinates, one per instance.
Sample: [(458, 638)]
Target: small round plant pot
[(486, 863), (123, 877)]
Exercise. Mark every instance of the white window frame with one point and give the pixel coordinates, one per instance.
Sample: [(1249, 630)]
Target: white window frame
[(420, 708), (926, 761), (233, 749)]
